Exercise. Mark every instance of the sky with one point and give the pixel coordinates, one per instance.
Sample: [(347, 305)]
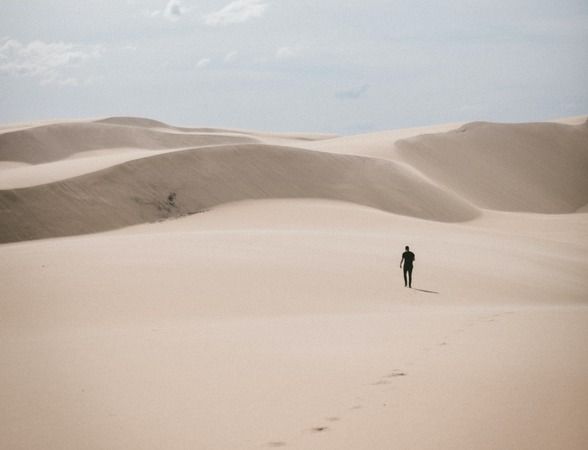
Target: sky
[(334, 66)]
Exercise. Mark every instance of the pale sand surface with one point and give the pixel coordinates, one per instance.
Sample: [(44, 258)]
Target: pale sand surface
[(264, 320), (574, 120), (284, 323), (44, 152), (21, 175), (15, 174)]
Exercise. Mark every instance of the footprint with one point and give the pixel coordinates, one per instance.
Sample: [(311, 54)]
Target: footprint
[(319, 429), (396, 373)]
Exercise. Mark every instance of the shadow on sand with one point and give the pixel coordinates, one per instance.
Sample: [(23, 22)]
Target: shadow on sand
[(424, 290)]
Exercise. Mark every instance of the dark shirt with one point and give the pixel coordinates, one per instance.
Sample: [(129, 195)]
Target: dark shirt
[(408, 258)]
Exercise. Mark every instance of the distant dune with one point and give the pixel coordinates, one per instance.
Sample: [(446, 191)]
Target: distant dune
[(53, 142), (60, 179), (150, 123), (137, 191), (535, 167), (139, 122)]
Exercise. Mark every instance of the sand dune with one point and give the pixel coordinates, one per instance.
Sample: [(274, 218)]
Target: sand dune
[(129, 166), (535, 167), (48, 143), (22, 175), (38, 153), (277, 316), (377, 144), (532, 167), (139, 122), (572, 120), (137, 191), (150, 123)]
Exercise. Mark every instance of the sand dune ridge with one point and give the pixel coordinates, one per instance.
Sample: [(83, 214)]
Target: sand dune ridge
[(443, 176), (532, 167), (137, 191), (57, 141)]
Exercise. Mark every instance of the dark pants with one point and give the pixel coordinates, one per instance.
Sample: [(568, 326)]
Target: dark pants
[(408, 274)]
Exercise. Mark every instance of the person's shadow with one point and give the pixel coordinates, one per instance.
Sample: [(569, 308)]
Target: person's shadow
[(424, 290)]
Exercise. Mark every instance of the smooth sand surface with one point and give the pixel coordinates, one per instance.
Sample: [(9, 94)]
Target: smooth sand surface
[(264, 322), (538, 167)]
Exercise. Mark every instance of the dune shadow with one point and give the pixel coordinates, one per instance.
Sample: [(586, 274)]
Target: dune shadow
[(425, 290)]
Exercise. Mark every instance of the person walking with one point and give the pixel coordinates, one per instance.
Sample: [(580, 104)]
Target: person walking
[(408, 260)]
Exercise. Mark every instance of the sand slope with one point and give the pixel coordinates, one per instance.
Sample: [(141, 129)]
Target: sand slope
[(57, 141), (533, 167), (137, 191), (442, 176), (38, 153), (150, 123), (537, 167), (377, 144), (284, 323)]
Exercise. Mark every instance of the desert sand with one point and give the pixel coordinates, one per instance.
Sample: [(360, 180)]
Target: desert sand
[(197, 288)]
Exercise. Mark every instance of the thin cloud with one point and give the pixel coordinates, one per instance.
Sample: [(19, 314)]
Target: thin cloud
[(230, 57), (204, 62), (238, 11), (287, 52), (173, 11), (49, 62), (353, 93)]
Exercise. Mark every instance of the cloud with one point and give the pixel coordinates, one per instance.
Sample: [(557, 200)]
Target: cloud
[(230, 57), (173, 11), (237, 11), (287, 52), (48, 62), (203, 63), (353, 93)]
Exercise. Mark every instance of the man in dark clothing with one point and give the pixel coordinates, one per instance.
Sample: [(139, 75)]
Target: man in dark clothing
[(408, 259)]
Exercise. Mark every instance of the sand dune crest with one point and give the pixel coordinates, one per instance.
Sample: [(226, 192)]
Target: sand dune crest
[(53, 142), (534, 167), (139, 191)]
